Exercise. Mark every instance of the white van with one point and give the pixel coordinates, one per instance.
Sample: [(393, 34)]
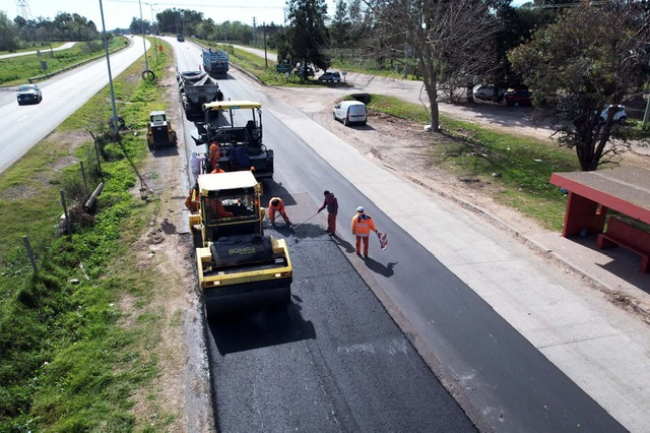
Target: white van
[(350, 112)]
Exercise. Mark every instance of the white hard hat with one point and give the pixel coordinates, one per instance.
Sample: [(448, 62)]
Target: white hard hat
[(360, 209)]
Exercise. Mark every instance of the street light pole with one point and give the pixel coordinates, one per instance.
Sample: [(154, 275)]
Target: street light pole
[(110, 77), (144, 41), (151, 5)]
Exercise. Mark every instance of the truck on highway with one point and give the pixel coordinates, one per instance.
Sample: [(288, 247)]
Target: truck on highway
[(197, 88), (215, 62), (239, 268), (237, 127)]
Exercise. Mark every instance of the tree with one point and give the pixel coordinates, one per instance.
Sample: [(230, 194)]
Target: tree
[(436, 32), (590, 57), (8, 31), (137, 26), (340, 27), (308, 34)]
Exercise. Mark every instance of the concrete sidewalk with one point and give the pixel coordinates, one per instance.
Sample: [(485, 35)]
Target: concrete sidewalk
[(574, 303)]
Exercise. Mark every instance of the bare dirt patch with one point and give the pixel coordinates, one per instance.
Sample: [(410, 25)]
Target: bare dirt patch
[(162, 250)]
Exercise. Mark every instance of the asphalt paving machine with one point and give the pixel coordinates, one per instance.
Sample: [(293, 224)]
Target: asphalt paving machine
[(239, 268), (237, 126)]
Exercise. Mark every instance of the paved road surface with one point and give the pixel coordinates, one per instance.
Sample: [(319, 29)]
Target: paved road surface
[(24, 126), (563, 319)]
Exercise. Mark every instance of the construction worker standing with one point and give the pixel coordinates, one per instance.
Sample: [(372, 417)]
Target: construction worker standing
[(361, 226), (276, 204), (195, 162), (332, 205), (214, 154)]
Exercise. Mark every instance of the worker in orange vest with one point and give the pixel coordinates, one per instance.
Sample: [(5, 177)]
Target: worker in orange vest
[(362, 224), (276, 204), (214, 154), (193, 199)]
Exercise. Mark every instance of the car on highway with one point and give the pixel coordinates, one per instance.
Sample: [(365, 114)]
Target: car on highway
[(619, 117), (29, 94), (330, 77), (516, 98)]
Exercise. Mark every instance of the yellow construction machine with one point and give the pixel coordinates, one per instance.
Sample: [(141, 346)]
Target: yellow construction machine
[(160, 131), (238, 267)]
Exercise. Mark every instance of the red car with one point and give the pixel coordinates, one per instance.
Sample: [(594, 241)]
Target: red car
[(517, 98)]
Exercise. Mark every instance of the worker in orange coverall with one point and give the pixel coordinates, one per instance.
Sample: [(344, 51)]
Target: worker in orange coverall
[(362, 224), (193, 199), (214, 154), (277, 205), (217, 169)]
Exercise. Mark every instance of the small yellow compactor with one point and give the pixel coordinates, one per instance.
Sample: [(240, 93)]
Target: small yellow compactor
[(238, 267)]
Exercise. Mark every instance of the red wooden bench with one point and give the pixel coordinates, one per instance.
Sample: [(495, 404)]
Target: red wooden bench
[(632, 238)]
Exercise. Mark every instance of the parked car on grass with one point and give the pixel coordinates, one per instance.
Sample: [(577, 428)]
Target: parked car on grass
[(29, 94), (488, 92), (330, 77), (517, 98), (619, 117)]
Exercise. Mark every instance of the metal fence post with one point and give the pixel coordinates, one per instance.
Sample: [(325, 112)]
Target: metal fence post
[(83, 174), (99, 164), (65, 212), (30, 253)]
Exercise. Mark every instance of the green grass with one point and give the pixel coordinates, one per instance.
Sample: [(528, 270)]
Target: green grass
[(524, 166), (16, 70), (354, 61), (36, 46), (68, 362)]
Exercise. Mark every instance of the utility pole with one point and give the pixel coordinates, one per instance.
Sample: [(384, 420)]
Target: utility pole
[(144, 40), (254, 33), (116, 127), (266, 60), (151, 5)]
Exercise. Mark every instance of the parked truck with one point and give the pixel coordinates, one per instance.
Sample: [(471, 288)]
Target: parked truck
[(237, 127), (197, 88), (239, 268), (215, 62)]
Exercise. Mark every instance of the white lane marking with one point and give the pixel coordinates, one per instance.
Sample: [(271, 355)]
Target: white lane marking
[(21, 119)]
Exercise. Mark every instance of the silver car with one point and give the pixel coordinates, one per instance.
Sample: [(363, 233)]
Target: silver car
[(29, 94)]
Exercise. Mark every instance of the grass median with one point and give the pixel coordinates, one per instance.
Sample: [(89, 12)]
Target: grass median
[(16, 70), (73, 359)]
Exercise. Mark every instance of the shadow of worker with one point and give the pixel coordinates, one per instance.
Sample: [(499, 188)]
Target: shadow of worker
[(375, 266)]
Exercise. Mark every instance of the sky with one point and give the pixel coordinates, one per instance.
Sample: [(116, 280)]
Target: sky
[(119, 13)]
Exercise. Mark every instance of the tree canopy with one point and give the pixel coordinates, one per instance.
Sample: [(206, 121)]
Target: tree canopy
[(592, 56), (307, 34)]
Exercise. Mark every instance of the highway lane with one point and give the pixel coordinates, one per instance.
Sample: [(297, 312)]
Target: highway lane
[(506, 384), (334, 360), (24, 126)]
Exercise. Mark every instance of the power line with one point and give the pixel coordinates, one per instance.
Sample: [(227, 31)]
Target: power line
[(202, 5), (24, 10)]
